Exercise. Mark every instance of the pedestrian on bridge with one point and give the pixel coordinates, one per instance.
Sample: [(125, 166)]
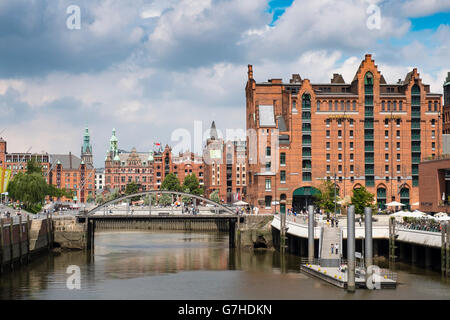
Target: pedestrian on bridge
[(337, 248), (332, 248)]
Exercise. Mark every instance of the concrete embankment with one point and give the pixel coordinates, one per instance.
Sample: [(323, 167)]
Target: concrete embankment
[(19, 242), (69, 234), (256, 232)]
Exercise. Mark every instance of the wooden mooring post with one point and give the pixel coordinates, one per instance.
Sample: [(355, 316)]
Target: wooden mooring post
[(392, 246), (445, 250), (1, 245)]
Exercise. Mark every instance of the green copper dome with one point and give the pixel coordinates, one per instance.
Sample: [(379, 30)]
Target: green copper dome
[(113, 137)]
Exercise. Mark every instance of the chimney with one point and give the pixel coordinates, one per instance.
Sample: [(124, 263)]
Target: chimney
[(70, 160), (250, 71)]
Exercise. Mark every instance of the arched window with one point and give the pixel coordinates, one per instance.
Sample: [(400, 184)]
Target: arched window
[(306, 101)]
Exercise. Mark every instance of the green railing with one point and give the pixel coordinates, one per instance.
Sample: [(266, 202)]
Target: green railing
[(415, 125), (368, 125), (369, 171), (368, 136), (415, 148), (368, 148), (415, 137)]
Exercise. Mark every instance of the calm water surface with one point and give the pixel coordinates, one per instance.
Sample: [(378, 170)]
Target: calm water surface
[(169, 265)]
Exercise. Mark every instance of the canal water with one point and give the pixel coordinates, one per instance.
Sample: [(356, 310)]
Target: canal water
[(171, 265)]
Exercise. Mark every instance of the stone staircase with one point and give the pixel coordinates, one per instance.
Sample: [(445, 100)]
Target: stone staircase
[(330, 236)]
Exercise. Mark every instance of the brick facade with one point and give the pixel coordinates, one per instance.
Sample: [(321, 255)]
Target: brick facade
[(366, 132)]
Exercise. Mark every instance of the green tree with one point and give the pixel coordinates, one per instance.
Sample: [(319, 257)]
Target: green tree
[(362, 198), (214, 196), (132, 188), (325, 200), (192, 186), (153, 200), (33, 167), (29, 189), (171, 183), (165, 199)]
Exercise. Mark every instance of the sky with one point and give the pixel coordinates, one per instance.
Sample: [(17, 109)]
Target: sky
[(150, 68)]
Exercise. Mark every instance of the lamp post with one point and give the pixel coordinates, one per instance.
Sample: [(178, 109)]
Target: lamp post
[(335, 205)]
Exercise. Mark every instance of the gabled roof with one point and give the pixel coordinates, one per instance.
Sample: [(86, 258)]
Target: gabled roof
[(66, 162)]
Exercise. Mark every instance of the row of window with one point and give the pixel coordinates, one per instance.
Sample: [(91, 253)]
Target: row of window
[(342, 105)]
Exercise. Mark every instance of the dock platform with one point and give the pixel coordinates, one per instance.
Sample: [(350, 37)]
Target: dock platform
[(334, 276)]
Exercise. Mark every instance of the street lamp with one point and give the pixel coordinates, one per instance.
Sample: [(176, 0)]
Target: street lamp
[(335, 205)]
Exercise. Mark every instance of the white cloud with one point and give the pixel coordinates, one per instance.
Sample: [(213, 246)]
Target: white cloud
[(420, 8)]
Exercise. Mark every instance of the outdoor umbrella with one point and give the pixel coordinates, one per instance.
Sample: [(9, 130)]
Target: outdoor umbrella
[(440, 214), (240, 203), (394, 204)]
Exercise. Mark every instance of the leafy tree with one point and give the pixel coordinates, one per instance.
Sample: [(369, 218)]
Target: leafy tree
[(186, 199), (214, 196), (191, 185), (362, 198), (153, 200), (131, 188), (33, 167), (165, 199), (55, 192), (30, 189), (325, 200), (171, 183)]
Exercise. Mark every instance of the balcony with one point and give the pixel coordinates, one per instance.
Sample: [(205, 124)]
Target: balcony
[(306, 116), (368, 125), (415, 171), (415, 148), (369, 171), (415, 125), (415, 160), (368, 148), (368, 114), (306, 140), (306, 154), (369, 160), (306, 129), (368, 136), (415, 137), (415, 114)]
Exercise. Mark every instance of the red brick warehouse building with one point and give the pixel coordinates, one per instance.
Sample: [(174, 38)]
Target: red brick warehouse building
[(364, 133)]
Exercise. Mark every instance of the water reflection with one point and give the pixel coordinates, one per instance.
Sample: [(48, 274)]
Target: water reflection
[(153, 265)]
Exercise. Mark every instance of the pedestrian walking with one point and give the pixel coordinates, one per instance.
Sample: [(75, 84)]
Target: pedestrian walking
[(360, 220), (337, 221), (332, 248), (337, 248), (332, 222)]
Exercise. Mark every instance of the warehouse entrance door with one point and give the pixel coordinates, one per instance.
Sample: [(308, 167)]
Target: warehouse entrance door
[(303, 197)]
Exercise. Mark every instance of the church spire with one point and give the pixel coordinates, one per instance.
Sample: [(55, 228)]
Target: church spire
[(86, 148)]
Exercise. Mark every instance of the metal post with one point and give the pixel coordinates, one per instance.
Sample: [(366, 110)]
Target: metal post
[(282, 233), (447, 245), (335, 205), (311, 234), (351, 249), (20, 239), (368, 240), (149, 204), (28, 238)]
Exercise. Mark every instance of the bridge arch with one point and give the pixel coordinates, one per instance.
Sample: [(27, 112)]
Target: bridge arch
[(150, 192)]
